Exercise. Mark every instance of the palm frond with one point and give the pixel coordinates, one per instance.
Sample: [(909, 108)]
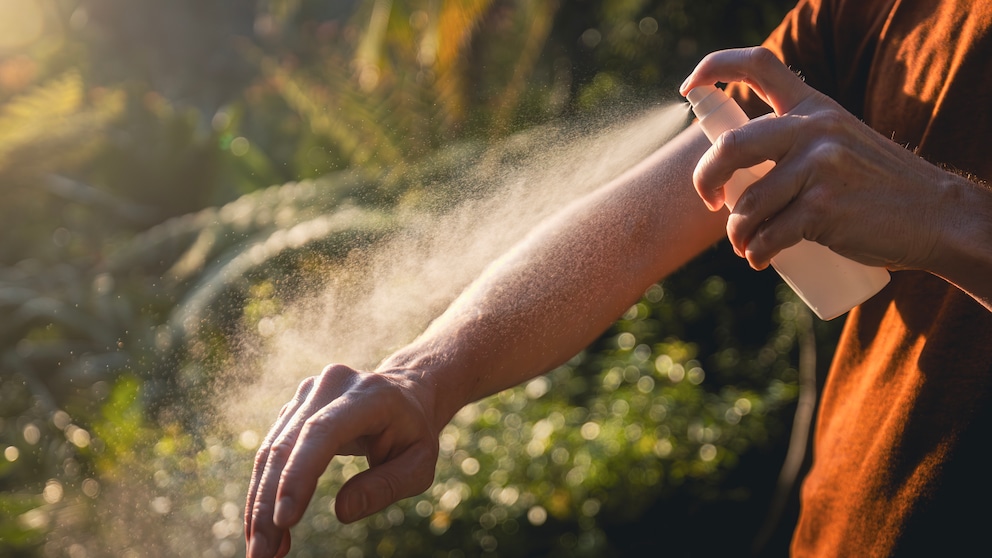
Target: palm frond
[(330, 235), (51, 124), (340, 112), (186, 244), (456, 24), (539, 17)]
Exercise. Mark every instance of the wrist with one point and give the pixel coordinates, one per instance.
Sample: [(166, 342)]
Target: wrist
[(426, 379), (963, 254)]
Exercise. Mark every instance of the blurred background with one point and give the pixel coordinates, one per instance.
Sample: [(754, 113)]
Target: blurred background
[(175, 176)]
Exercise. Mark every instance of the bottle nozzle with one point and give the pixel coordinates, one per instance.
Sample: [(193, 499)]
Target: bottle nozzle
[(716, 111), (698, 93)]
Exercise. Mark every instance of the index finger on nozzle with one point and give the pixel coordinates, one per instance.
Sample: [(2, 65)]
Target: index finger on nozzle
[(757, 67)]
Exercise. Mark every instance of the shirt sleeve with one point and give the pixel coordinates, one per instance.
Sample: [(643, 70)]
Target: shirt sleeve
[(801, 41), (832, 45)]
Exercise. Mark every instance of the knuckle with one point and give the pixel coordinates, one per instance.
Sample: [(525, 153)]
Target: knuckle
[(763, 235), (829, 122), (736, 228), (817, 205), (761, 57), (305, 386), (261, 511), (261, 458), (709, 58), (729, 141), (384, 388), (248, 514), (749, 202), (332, 379), (271, 437), (333, 370), (765, 240), (315, 426), (828, 155), (302, 392), (281, 449)]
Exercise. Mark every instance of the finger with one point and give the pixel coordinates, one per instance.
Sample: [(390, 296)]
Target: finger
[(757, 67), (801, 197), (709, 181), (284, 545), (261, 456), (763, 201), (263, 537), (409, 474), (772, 236), (342, 422), (328, 388), (755, 142)]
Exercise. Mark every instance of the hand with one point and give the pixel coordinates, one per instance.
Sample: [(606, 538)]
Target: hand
[(385, 416), (836, 181)]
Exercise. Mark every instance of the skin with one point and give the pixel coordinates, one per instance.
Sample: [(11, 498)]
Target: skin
[(836, 182), (546, 299)]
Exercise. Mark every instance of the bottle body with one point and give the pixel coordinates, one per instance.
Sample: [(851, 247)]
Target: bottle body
[(827, 282)]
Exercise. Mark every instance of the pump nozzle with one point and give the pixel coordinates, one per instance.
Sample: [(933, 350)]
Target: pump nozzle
[(716, 111), (698, 93)]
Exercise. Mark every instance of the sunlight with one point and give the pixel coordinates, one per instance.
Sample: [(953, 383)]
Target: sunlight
[(21, 23)]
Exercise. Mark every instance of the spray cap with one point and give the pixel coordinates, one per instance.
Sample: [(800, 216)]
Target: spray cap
[(697, 95), (716, 111)]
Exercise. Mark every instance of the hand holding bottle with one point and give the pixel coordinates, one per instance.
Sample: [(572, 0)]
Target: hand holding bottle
[(835, 181), (827, 282)]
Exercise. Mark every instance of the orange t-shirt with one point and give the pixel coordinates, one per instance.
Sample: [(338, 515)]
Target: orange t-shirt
[(899, 466)]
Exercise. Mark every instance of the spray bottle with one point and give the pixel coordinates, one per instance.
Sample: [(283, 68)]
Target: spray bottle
[(827, 282)]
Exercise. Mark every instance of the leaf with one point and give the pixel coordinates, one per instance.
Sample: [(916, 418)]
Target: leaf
[(52, 124)]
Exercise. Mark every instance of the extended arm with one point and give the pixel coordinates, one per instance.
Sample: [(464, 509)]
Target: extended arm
[(530, 310), (552, 294)]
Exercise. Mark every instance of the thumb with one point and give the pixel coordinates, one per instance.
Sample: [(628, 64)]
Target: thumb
[(409, 474), (757, 67)]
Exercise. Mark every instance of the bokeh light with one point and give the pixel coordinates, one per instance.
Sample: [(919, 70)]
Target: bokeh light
[(22, 22), (208, 200)]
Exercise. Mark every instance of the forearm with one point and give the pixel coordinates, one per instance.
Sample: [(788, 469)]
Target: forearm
[(566, 282), (963, 254)]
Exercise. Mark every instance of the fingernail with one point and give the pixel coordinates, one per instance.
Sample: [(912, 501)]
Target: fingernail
[(284, 512), (259, 546), (682, 87)]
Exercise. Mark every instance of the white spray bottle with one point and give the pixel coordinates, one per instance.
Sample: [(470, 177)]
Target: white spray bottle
[(828, 283)]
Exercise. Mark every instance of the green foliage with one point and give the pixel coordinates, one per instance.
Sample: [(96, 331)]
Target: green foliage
[(45, 131), (139, 145), (560, 466), (51, 120)]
